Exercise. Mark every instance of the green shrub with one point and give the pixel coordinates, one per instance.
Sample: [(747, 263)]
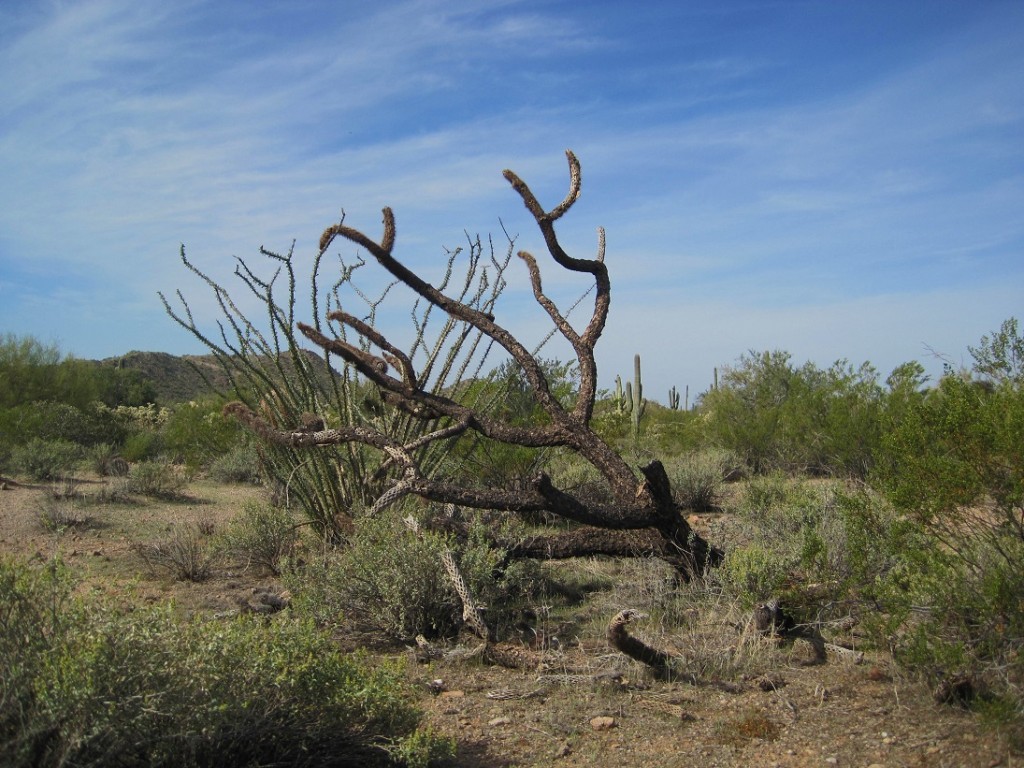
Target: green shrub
[(390, 579), (830, 548), (41, 459), (755, 573), (954, 467), (106, 460), (780, 417), (197, 432), (85, 686), (143, 445), (264, 536), (697, 478), (241, 464), (159, 479)]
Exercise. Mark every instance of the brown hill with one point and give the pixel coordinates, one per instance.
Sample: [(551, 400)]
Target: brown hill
[(179, 378)]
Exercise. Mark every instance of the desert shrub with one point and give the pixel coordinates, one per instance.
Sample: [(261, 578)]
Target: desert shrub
[(241, 464), (37, 613), (777, 416), (45, 459), (948, 618), (106, 460), (697, 477), (198, 432), (58, 515), (755, 573), (142, 445), (61, 421), (264, 536), (390, 579), (186, 553), (954, 467), (160, 479), (828, 549), (86, 686)]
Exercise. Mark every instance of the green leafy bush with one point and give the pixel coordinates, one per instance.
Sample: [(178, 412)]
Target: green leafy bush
[(160, 479), (41, 459), (264, 536), (829, 549), (143, 445), (954, 465), (780, 417), (197, 432), (754, 573), (241, 464), (86, 686), (390, 579)]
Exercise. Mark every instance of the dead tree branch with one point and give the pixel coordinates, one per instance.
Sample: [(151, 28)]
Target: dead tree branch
[(641, 503)]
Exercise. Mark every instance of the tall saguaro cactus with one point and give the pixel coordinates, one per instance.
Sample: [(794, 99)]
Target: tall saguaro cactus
[(635, 394)]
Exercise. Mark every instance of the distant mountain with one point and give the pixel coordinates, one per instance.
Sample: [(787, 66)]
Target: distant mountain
[(182, 378)]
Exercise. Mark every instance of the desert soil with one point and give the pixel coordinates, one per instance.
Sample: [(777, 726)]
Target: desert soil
[(791, 714)]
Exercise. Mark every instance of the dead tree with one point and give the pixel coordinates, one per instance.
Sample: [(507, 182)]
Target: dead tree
[(641, 517)]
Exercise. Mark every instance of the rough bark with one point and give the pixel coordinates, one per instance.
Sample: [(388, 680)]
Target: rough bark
[(641, 517)]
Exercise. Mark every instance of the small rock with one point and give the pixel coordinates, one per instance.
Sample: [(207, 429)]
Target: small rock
[(602, 723), (832, 760), (499, 721)]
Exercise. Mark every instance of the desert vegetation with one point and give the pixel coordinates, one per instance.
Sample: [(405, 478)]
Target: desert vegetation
[(381, 530)]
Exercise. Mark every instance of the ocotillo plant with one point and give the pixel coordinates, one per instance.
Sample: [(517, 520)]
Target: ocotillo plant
[(636, 396)]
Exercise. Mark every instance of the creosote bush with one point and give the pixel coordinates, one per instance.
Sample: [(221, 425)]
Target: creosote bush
[(160, 479), (40, 459), (263, 536), (240, 464), (390, 579), (86, 686)]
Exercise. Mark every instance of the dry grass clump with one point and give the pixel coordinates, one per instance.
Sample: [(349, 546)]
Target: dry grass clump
[(186, 553), (57, 515), (748, 727)]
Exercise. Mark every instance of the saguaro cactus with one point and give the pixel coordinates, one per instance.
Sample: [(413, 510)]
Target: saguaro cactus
[(636, 396), (673, 399), (623, 401)]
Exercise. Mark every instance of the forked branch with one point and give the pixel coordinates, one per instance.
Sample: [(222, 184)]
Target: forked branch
[(637, 501)]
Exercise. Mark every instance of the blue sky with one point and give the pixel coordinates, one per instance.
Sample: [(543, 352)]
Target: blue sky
[(839, 179)]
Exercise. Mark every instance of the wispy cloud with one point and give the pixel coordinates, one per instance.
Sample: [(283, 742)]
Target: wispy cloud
[(729, 179)]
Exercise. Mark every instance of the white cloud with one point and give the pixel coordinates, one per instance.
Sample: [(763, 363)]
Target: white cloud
[(131, 127)]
